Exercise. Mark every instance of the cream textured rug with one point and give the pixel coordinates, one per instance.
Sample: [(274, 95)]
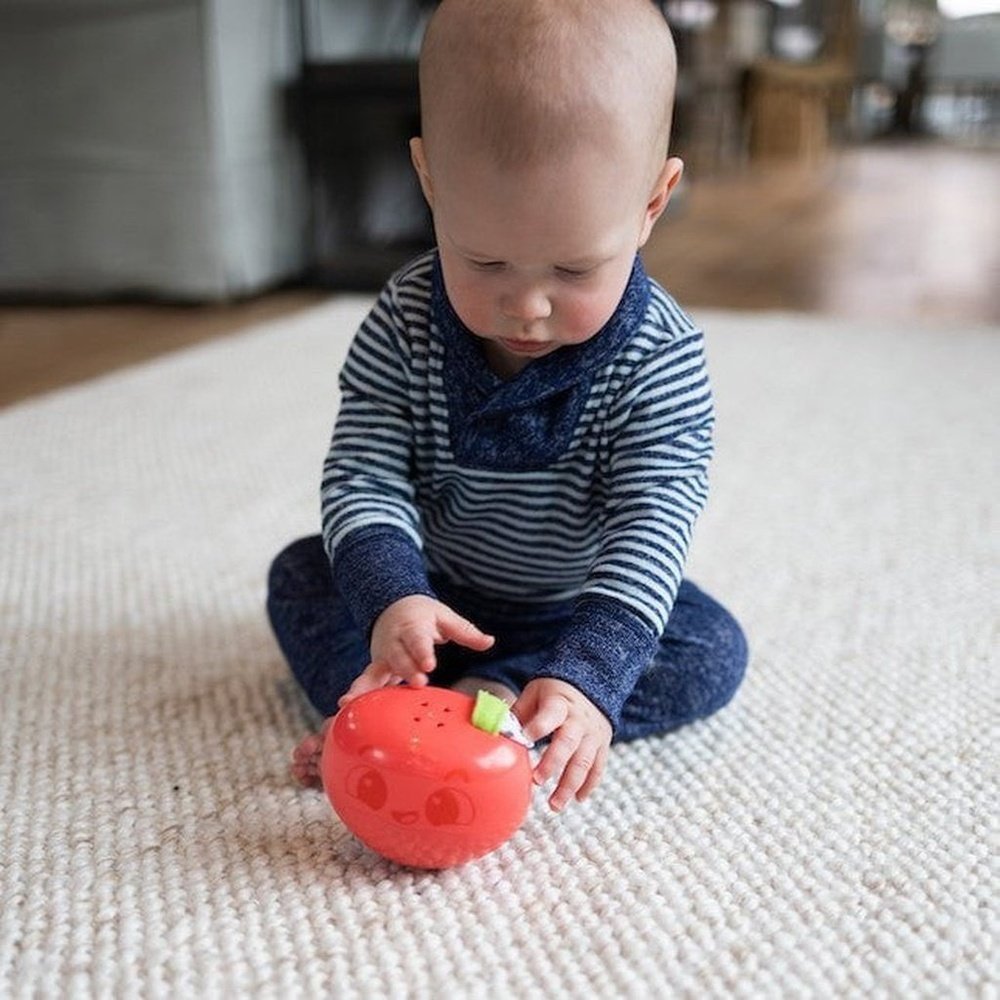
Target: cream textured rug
[(832, 833)]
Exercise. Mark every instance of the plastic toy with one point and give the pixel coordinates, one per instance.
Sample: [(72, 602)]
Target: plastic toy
[(414, 779)]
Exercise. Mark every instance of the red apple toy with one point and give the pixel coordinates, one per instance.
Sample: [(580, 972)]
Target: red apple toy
[(414, 779)]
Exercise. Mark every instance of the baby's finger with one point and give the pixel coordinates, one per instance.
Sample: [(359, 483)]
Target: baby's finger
[(419, 650), (454, 628), (558, 753), (575, 774), (541, 720), (373, 677), (595, 775)]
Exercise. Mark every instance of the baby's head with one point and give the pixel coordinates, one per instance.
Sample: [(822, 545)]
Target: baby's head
[(544, 158), (523, 80)]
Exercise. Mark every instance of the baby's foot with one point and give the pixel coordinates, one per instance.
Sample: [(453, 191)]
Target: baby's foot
[(306, 758)]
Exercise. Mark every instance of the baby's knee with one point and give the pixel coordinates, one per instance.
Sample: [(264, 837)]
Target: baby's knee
[(727, 655), (697, 670), (300, 569)]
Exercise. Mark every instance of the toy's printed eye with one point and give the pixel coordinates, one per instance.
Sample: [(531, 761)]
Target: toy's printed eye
[(369, 786), (449, 807)]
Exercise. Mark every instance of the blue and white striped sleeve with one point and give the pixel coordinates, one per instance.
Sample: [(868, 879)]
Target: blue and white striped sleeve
[(370, 522), (656, 477)]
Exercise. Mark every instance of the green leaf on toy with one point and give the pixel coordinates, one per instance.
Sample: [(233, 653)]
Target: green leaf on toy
[(489, 712)]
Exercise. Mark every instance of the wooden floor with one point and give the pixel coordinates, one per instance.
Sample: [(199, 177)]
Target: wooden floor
[(886, 232), (47, 347), (883, 231)]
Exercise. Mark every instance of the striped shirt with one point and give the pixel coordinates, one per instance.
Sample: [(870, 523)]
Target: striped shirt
[(575, 483)]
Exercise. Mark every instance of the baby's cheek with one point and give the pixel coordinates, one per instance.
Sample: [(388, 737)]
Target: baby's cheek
[(474, 309), (584, 314)]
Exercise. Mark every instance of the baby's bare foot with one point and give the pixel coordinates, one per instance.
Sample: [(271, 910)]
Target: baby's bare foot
[(306, 758)]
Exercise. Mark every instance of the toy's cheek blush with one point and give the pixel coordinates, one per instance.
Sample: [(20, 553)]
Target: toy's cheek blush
[(413, 779)]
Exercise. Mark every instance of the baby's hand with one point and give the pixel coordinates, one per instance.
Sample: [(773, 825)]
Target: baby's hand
[(403, 641), (579, 750)]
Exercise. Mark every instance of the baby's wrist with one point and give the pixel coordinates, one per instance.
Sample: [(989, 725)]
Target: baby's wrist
[(374, 568), (602, 653)]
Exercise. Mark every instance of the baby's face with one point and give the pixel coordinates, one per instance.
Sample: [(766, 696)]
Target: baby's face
[(537, 258)]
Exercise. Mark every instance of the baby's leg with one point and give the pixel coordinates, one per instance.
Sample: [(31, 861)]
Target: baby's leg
[(323, 646), (700, 663), (316, 633)]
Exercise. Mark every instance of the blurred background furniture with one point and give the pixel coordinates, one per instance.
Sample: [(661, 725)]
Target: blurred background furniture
[(358, 104), (962, 80), (928, 69), (146, 148), (802, 92), (715, 42), (368, 213)]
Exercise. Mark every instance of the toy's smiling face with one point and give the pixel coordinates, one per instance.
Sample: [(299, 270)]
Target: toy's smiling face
[(423, 803), (413, 779)]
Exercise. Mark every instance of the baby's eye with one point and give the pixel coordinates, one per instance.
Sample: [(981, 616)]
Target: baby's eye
[(487, 265), (573, 273)]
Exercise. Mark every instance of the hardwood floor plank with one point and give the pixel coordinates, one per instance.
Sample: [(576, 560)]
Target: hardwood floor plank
[(46, 347)]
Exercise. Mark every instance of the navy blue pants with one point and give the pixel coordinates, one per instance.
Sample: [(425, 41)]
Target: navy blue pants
[(697, 669)]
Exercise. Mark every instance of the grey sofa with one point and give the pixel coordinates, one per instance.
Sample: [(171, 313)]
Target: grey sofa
[(145, 148)]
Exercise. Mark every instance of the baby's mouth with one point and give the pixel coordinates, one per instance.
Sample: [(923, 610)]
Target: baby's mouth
[(525, 346)]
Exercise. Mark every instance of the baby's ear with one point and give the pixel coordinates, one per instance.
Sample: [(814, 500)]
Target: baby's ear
[(420, 165), (659, 197)]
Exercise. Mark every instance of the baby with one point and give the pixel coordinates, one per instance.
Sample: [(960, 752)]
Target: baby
[(526, 422)]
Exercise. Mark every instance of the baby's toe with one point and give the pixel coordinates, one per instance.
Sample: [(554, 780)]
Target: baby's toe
[(306, 760)]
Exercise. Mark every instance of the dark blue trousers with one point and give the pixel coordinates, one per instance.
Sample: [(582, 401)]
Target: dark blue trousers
[(698, 667)]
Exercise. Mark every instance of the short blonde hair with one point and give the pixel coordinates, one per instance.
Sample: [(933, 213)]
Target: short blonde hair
[(522, 79)]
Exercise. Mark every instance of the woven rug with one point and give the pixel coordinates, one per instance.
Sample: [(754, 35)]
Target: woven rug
[(831, 833)]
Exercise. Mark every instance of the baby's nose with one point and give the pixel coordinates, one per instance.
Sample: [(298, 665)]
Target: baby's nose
[(526, 305)]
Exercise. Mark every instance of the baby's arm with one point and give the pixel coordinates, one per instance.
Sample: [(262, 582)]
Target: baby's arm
[(371, 525), (655, 475), (403, 641)]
